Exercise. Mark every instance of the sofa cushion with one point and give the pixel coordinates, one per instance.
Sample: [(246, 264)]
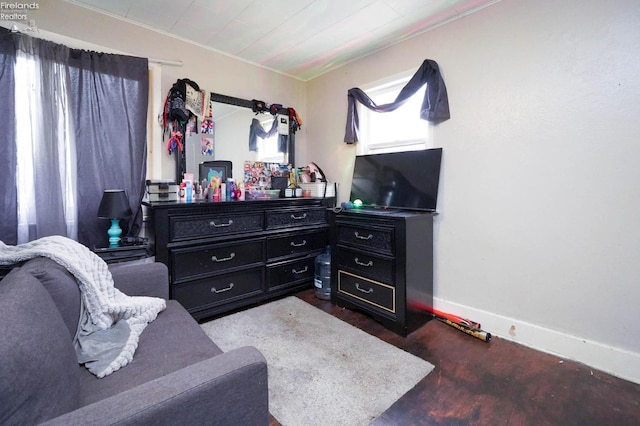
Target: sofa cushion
[(39, 377), (172, 341), (61, 285)]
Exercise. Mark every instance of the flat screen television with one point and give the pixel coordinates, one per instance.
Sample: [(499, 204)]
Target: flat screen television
[(401, 180)]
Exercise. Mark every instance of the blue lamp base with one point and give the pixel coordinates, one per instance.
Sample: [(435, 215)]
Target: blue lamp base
[(114, 233)]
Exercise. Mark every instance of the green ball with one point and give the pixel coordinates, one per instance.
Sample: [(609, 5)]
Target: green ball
[(357, 203)]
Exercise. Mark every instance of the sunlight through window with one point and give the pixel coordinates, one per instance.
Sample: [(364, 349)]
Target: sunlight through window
[(399, 130)]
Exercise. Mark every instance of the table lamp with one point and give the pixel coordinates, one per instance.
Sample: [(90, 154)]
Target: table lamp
[(114, 206)]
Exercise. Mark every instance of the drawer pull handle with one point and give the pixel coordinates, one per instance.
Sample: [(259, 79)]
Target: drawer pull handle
[(306, 268), (222, 290), (294, 217), (302, 244), (219, 225), (360, 237), (223, 259), (367, 291), (368, 264)]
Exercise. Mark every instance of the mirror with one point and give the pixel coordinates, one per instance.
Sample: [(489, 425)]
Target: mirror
[(229, 139)]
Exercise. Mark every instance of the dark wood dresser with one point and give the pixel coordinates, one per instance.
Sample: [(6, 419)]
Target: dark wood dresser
[(226, 255), (382, 264)]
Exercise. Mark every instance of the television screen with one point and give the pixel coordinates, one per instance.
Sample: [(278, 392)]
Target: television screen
[(405, 180)]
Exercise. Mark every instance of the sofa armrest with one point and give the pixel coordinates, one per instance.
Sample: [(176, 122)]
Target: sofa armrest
[(141, 279), (228, 389)]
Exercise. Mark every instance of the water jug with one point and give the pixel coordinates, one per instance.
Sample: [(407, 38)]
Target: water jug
[(322, 276)]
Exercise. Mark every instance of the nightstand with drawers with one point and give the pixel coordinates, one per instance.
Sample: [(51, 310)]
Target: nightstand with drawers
[(382, 264)]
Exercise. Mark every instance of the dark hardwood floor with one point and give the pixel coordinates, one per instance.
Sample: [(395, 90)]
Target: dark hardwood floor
[(495, 383)]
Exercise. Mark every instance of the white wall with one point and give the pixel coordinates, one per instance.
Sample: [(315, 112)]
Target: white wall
[(212, 71), (538, 234)]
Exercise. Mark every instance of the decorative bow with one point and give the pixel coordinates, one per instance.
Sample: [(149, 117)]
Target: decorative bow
[(175, 142)]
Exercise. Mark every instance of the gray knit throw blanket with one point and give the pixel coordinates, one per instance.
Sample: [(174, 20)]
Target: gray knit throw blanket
[(110, 321)]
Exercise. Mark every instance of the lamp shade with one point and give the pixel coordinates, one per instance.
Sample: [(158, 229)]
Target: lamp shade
[(114, 205)]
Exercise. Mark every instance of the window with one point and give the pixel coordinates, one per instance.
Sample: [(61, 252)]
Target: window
[(399, 130), (268, 147), (46, 135)]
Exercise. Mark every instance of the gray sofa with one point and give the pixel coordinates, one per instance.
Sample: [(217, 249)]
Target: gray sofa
[(177, 376)]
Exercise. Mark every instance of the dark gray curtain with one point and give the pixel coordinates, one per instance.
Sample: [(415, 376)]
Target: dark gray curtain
[(8, 194), (109, 106), (435, 106)]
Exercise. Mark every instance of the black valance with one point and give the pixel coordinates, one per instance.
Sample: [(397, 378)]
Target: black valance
[(435, 106)]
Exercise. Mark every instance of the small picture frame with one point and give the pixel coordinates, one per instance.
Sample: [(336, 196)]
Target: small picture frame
[(207, 146)]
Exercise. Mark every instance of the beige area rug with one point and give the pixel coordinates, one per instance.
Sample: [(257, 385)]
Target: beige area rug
[(322, 371)]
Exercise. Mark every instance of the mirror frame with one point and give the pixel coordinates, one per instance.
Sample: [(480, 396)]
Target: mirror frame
[(181, 161)]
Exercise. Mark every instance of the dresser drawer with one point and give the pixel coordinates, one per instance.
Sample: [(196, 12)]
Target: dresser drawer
[(371, 292), (369, 238), (295, 217), (366, 264), (284, 274), (182, 228), (211, 259), (296, 244), (217, 290)]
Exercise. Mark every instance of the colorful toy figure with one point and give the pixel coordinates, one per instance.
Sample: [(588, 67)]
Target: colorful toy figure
[(292, 176)]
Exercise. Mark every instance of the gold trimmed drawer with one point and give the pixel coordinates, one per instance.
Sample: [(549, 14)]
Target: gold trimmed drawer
[(182, 228), (209, 292), (296, 244), (295, 217), (379, 239), (284, 274), (379, 295), (212, 259)]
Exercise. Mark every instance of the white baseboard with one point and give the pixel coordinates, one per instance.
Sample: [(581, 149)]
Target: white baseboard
[(615, 361)]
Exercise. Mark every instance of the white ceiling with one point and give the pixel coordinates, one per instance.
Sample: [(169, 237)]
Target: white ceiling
[(300, 38)]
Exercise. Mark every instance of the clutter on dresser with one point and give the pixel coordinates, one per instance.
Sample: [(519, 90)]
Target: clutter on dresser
[(259, 181)]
